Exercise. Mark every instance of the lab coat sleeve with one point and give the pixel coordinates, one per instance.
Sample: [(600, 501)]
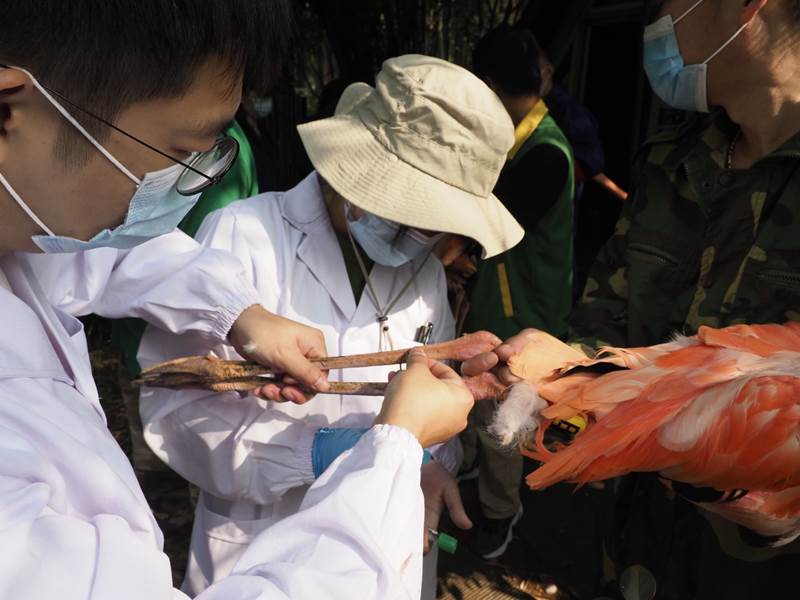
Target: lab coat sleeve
[(232, 446), (171, 281), (75, 525), (72, 526), (358, 533)]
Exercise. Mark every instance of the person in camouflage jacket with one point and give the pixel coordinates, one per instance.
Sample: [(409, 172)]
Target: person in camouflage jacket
[(699, 244), (711, 236)]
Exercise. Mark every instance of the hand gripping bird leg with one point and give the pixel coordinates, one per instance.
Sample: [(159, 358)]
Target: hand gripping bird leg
[(210, 373)]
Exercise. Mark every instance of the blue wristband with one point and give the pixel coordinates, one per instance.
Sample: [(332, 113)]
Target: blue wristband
[(329, 443)]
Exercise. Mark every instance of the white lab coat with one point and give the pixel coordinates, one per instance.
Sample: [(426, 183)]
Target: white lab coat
[(74, 524), (252, 458)]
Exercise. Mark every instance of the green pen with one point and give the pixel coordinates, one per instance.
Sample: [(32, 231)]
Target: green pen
[(446, 543)]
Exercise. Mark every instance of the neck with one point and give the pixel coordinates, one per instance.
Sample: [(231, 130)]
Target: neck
[(767, 109), (16, 228), (519, 107)]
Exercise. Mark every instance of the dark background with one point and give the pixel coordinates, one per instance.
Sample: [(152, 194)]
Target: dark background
[(595, 46)]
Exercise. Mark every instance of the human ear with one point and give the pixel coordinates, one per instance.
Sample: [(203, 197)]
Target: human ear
[(750, 9), (12, 86)]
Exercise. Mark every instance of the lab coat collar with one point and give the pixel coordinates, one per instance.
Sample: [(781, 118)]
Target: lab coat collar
[(304, 208), (25, 347)]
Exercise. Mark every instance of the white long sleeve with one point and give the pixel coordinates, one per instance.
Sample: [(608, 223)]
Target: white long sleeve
[(171, 281), (230, 446), (75, 526), (74, 523), (358, 533)]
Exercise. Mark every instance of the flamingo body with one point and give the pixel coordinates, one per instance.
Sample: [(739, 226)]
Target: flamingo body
[(719, 409)]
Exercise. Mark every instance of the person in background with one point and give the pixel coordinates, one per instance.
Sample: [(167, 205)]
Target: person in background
[(710, 237), (348, 250), (530, 285), (580, 126)]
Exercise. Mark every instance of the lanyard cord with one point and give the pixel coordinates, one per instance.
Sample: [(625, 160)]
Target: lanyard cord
[(383, 313)]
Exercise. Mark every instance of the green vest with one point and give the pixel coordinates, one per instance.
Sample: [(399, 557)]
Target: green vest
[(531, 284), (240, 182)]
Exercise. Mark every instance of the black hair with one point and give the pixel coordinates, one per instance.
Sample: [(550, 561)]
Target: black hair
[(104, 55), (511, 58)]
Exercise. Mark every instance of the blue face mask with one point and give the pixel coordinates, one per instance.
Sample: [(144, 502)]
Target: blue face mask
[(678, 85), (388, 243), (156, 207)]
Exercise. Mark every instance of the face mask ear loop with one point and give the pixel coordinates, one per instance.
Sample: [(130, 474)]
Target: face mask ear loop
[(689, 10), (23, 206), (80, 128), (728, 43)]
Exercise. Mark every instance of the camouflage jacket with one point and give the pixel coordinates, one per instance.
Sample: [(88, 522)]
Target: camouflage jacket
[(697, 244)]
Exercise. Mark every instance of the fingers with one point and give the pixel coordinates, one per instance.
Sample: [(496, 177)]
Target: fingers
[(417, 360), (505, 375), (269, 392), (515, 345), (295, 395), (487, 361), (443, 372), (504, 352), (284, 393), (455, 506), (433, 512), (305, 372), (479, 364)]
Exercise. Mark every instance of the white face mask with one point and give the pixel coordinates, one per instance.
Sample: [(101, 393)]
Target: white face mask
[(156, 207), (679, 85), (386, 242)]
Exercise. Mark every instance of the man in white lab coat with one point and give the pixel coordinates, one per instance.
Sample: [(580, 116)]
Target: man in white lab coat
[(106, 121), (349, 250)]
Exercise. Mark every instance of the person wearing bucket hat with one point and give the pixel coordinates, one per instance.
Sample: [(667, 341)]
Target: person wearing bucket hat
[(348, 250)]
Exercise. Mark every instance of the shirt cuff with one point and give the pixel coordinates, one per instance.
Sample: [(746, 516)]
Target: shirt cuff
[(392, 444), (245, 296)]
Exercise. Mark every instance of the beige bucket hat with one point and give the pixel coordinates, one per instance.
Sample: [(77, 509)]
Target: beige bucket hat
[(424, 148)]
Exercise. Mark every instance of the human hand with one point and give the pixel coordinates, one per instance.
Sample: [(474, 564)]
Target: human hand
[(428, 399), (495, 361), (284, 346), (440, 489)]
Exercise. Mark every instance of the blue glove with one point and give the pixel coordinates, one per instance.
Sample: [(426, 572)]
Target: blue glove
[(330, 443)]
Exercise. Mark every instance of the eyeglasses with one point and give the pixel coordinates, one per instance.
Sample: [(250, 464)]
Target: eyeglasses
[(201, 171)]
